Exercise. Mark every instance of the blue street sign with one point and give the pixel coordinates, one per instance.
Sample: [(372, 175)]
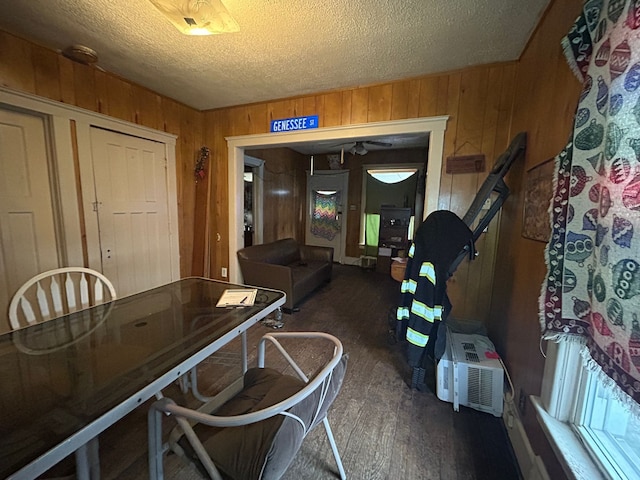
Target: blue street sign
[(296, 123)]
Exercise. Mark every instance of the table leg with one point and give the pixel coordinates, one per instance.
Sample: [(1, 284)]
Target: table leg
[(82, 463), (88, 461), (245, 365), (94, 459)]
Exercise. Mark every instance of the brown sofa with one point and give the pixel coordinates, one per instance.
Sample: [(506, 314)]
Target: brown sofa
[(285, 265)]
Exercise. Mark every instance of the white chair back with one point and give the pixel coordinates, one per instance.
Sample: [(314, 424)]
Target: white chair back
[(58, 292), (250, 450)]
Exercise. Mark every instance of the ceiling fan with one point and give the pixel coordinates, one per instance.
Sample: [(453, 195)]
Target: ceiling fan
[(358, 148)]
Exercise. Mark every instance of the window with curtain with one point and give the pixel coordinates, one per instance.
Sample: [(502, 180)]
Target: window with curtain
[(590, 300)]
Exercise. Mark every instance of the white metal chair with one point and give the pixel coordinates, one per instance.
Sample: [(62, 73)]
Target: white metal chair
[(52, 294), (57, 292), (270, 412)]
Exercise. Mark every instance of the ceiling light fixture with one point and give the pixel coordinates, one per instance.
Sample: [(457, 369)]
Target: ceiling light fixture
[(197, 17)]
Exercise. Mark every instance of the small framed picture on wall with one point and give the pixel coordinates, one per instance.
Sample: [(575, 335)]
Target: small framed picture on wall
[(537, 197)]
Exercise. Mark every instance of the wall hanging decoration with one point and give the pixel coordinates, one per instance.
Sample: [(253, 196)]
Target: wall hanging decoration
[(466, 163), (592, 290), (324, 220), (537, 194), (201, 164), (456, 163)]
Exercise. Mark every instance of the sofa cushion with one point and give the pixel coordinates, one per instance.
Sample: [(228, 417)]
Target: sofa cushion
[(307, 277), (285, 265), (280, 252)]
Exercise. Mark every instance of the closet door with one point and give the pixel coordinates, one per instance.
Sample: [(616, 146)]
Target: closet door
[(28, 243), (130, 176)]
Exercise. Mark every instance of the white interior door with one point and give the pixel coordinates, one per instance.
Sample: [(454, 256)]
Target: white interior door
[(130, 176), (326, 215), (27, 227)]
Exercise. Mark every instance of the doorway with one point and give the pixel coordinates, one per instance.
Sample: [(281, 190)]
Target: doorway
[(392, 185), (253, 218), (434, 126), (327, 193)]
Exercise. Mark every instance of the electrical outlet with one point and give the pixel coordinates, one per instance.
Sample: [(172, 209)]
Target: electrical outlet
[(522, 402), (224, 272)]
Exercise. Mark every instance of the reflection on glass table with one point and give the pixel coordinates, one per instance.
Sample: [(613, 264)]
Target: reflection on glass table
[(68, 379)]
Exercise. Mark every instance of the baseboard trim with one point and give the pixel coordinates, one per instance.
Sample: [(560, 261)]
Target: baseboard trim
[(351, 261), (531, 465)]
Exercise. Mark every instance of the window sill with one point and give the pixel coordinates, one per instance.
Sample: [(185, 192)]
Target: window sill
[(571, 454)]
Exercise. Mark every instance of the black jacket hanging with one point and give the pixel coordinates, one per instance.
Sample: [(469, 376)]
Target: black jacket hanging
[(423, 296)]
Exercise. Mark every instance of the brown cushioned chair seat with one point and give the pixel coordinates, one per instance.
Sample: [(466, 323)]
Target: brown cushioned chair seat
[(272, 442)]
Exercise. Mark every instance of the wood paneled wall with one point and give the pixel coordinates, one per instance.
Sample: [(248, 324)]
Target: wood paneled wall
[(546, 98), (284, 185), (478, 102), (28, 67)]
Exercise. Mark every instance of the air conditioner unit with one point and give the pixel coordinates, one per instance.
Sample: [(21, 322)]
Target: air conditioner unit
[(470, 373)]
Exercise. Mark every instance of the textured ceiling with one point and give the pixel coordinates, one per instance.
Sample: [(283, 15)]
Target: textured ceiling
[(285, 47)]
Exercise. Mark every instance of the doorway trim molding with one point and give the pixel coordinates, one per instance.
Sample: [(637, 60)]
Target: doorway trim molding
[(435, 126)]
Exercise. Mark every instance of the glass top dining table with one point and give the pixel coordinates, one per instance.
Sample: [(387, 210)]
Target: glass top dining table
[(66, 380)]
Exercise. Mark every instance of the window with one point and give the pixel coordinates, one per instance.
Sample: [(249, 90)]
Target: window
[(591, 432), (610, 433), (392, 175)]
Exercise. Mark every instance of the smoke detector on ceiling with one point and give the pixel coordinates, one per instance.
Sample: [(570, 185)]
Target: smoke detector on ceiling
[(81, 54)]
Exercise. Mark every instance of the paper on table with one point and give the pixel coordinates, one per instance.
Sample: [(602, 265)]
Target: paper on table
[(239, 297)]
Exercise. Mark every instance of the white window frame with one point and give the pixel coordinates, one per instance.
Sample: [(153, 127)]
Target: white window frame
[(613, 457), (561, 408)]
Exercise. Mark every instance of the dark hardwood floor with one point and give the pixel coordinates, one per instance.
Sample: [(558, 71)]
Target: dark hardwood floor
[(383, 428)]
